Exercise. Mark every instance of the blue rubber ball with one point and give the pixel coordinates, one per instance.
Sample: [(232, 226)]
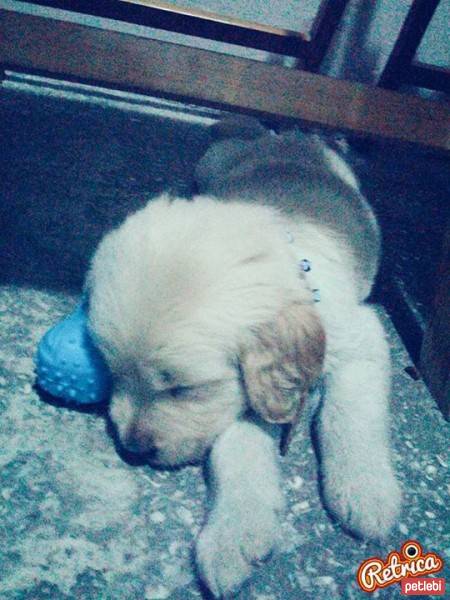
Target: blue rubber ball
[(68, 364)]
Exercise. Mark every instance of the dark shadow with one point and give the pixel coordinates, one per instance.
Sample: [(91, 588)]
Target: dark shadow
[(204, 591), (408, 190), (408, 323), (100, 409), (72, 171)]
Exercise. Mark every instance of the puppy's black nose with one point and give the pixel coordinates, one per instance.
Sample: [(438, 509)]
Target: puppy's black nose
[(138, 442), (136, 447)]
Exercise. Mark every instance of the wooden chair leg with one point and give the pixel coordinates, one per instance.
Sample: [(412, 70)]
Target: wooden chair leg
[(414, 27)]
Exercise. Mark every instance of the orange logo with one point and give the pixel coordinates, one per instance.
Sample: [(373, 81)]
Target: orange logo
[(410, 562)]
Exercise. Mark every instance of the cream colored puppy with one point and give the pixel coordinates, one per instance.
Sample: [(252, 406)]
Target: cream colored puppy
[(206, 312)]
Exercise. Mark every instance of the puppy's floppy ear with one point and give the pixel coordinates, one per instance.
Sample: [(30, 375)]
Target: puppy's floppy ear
[(282, 362)]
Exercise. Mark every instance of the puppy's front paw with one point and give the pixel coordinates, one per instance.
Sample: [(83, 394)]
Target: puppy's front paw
[(368, 504), (232, 542)]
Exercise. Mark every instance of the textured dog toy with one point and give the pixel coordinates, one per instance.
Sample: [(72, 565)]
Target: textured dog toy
[(68, 364)]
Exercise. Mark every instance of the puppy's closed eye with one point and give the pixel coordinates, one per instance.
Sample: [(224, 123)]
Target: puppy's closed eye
[(202, 389), (160, 381)]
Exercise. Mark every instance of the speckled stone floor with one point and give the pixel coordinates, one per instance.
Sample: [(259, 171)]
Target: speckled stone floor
[(75, 520)]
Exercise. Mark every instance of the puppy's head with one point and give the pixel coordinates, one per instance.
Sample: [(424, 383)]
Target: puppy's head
[(200, 313)]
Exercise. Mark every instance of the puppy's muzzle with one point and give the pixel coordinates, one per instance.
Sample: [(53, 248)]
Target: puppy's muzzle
[(138, 441)]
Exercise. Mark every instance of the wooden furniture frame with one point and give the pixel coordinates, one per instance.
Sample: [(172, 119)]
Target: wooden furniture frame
[(402, 68), (122, 60), (308, 47)]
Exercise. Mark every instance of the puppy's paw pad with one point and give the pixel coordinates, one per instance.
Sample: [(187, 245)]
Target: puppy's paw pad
[(230, 545), (222, 565), (369, 506)]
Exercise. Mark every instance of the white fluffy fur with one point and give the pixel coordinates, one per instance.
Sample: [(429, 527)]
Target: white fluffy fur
[(243, 526), (181, 288)]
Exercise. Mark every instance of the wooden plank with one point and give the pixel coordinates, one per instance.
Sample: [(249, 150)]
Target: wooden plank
[(324, 27), (435, 353), (204, 24), (86, 53), (214, 17), (409, 38), (432, 77)]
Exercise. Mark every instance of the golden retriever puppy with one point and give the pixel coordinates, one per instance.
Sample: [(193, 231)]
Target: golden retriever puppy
[(220, 311)]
